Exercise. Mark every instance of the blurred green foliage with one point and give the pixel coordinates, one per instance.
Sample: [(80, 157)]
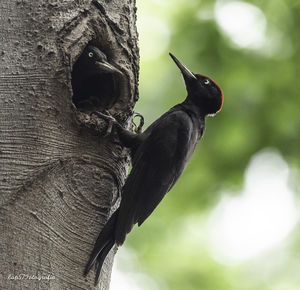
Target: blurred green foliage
[(261, 109)]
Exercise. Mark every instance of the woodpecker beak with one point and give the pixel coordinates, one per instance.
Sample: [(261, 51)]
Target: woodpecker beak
[(187, 74), (107, 67)]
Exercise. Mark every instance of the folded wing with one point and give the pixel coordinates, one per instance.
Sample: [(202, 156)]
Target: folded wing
[(157, 164)]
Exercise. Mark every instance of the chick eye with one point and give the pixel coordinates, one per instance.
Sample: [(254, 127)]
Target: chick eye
[(91, 54), (206, 82)]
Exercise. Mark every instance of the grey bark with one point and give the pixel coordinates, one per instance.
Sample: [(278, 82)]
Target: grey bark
[(59, 177)]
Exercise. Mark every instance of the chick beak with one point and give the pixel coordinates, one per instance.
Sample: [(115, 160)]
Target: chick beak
[(107, 67)]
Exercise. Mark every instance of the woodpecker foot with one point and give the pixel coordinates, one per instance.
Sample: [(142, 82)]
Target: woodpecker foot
[(123, 136), (111, 121), (138, 129)]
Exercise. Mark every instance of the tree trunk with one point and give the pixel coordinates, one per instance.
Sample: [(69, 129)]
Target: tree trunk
[(60, 177)]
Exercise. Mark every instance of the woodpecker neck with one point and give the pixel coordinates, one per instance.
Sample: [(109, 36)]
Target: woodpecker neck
[(196, 110), (197, 118)]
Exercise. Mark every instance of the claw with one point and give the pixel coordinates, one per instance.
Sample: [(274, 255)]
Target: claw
[(138, 129), (111, 120)]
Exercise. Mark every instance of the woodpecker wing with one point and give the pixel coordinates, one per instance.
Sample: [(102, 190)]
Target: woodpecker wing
[(158, 163)]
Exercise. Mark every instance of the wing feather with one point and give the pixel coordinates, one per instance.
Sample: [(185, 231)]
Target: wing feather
[(157, 164)]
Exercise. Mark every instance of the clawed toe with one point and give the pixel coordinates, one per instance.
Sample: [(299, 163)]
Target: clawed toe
[(107, 116), (138, 129)]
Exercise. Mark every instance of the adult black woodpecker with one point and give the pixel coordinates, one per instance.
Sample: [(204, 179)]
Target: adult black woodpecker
[(95, 81), (160, 155)]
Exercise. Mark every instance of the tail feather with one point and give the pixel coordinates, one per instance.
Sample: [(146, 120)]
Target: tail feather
[(104, 243), (100, 259)]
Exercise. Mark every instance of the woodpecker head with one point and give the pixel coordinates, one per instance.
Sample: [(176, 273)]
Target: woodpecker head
[(202, 91), (94, 60)]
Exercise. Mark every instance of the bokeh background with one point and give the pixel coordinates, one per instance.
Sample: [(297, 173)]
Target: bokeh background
[(232, 220)]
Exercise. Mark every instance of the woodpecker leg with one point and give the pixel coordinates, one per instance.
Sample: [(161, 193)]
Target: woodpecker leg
[(127, 138), (111, 121)]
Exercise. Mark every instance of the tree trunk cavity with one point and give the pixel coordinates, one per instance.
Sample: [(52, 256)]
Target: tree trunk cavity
[(60, 177)]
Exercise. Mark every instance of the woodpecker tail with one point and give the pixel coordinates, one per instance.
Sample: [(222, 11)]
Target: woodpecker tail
[(103, 245)]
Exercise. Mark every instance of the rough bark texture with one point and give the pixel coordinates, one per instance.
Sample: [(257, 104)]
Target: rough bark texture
[(59, 177)]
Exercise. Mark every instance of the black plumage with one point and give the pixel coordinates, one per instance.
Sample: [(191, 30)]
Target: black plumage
[(160, 155), (95, 81)]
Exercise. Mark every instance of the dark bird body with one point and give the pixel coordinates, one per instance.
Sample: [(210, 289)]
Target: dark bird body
[(160, 159), (95, 81), (160, 155)]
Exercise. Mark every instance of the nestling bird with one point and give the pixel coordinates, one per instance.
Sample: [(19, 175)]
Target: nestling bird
[(160, 155), (95, 81)]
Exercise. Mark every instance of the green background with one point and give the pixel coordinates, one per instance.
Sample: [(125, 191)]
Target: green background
[(260, 81)]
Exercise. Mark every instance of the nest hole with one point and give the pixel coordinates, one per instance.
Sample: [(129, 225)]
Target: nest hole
[(93, 89)]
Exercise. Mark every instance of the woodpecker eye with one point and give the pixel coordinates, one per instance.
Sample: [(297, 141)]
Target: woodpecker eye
[(91, 54), (206, 82)]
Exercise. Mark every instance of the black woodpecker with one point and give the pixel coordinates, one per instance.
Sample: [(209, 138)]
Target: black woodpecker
[(95, 81), (160, 155)]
